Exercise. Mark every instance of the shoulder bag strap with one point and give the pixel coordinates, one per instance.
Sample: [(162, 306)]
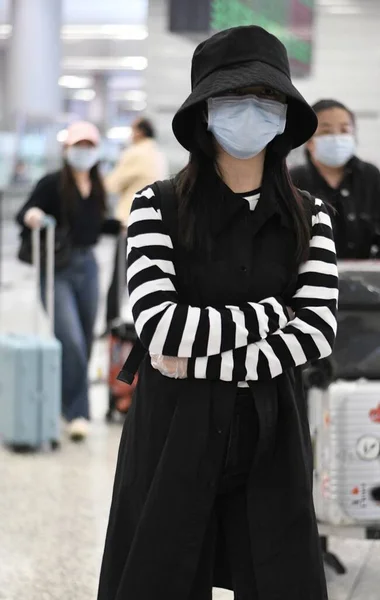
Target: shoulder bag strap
[(169, 208)]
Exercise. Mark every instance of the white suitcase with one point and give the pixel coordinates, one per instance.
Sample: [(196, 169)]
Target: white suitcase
[(345, 429)]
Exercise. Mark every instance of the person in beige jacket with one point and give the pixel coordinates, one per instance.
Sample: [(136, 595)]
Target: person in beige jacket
[(140, 165)]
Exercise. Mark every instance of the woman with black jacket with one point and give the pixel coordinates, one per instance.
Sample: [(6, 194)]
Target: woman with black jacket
[(75, 196), (214, 481), (349, 186)]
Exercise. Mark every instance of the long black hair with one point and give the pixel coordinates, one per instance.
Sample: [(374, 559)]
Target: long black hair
[(327, 104), (69, 191), (198, 201)]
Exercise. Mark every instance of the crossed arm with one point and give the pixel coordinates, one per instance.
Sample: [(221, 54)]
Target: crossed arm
[(235, 343)]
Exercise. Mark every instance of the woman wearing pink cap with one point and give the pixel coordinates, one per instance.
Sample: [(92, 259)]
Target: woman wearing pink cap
[(75, 196)]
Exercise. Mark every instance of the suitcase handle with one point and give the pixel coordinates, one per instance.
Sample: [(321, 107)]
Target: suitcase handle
[(48, 223)]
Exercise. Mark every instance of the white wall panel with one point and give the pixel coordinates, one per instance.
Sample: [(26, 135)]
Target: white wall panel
[(346, 67)]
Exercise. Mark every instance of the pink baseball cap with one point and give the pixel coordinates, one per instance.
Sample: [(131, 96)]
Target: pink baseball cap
[(82, 131)]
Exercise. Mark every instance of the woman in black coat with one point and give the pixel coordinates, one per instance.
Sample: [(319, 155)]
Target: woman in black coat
[(349, 186), (214, 479)]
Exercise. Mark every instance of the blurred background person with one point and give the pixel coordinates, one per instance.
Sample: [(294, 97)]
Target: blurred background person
[(76, 198), (20, 174), (140, 164), (349, 186)]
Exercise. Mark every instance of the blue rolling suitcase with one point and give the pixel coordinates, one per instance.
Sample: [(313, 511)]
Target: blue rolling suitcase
[(30, 372)]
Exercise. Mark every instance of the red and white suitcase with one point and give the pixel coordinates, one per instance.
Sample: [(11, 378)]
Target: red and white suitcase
[(345, 428)]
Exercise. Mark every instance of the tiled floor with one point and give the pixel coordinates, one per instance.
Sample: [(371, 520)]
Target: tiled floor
[(53, 506)]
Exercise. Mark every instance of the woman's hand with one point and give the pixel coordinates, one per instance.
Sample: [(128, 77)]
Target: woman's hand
[(170, 366), (34, 217)]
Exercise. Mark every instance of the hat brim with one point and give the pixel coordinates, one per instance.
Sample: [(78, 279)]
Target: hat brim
[(301, 119), (76, 139)]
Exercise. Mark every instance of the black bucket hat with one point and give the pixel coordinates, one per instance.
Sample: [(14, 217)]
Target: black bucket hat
[(241, 57)]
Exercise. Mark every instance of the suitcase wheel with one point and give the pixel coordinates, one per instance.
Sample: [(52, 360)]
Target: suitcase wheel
[(21, 448), (109, 416)]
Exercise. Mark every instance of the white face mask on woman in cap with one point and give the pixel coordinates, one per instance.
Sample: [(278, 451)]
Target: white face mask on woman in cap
[(82, 158), (244, 126), (334, 150)]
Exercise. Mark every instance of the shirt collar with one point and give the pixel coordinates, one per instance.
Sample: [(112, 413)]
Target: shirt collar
[(231, 204)]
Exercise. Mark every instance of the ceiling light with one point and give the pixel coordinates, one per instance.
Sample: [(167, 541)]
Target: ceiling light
[(92, 32), (137, 106), (334, 2), (119, 133), (74, 82), (343, 10), (135, 63), (105, 63), (5, 31), (62, 136), (84, 95), (134, 96), (103, 32)]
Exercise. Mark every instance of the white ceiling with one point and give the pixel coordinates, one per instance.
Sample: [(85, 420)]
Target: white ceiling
[(95, 11), (135, 11), (112, 35), (105, 11), (349, 7), (98, 35)]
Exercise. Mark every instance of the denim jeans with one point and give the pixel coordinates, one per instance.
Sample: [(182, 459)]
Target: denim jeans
[(75, 304)]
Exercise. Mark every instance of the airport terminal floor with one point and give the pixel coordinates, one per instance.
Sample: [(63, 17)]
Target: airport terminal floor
[(54, 505)]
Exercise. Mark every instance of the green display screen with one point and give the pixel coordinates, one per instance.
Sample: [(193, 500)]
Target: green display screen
[(290, 20)]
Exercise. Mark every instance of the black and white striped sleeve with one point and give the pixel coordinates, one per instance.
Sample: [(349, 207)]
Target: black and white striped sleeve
[(167, 327), (309, 336)]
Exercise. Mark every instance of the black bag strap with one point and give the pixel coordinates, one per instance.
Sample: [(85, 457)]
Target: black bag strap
[(311, 201), (169, 211), (169, 208)]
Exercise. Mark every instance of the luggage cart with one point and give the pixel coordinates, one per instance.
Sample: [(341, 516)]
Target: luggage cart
[(344, 415)]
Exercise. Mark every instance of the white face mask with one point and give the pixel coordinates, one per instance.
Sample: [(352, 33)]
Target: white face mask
[(334, 150), (245, 125), (82, 159)]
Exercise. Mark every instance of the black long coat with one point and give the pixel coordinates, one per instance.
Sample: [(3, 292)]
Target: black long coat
[(174, 438)]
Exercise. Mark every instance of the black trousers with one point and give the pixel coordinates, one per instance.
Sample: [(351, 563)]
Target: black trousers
[(229, 517), (113, 296)]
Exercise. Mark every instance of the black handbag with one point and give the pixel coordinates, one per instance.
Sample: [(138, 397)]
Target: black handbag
[(62, 249)]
